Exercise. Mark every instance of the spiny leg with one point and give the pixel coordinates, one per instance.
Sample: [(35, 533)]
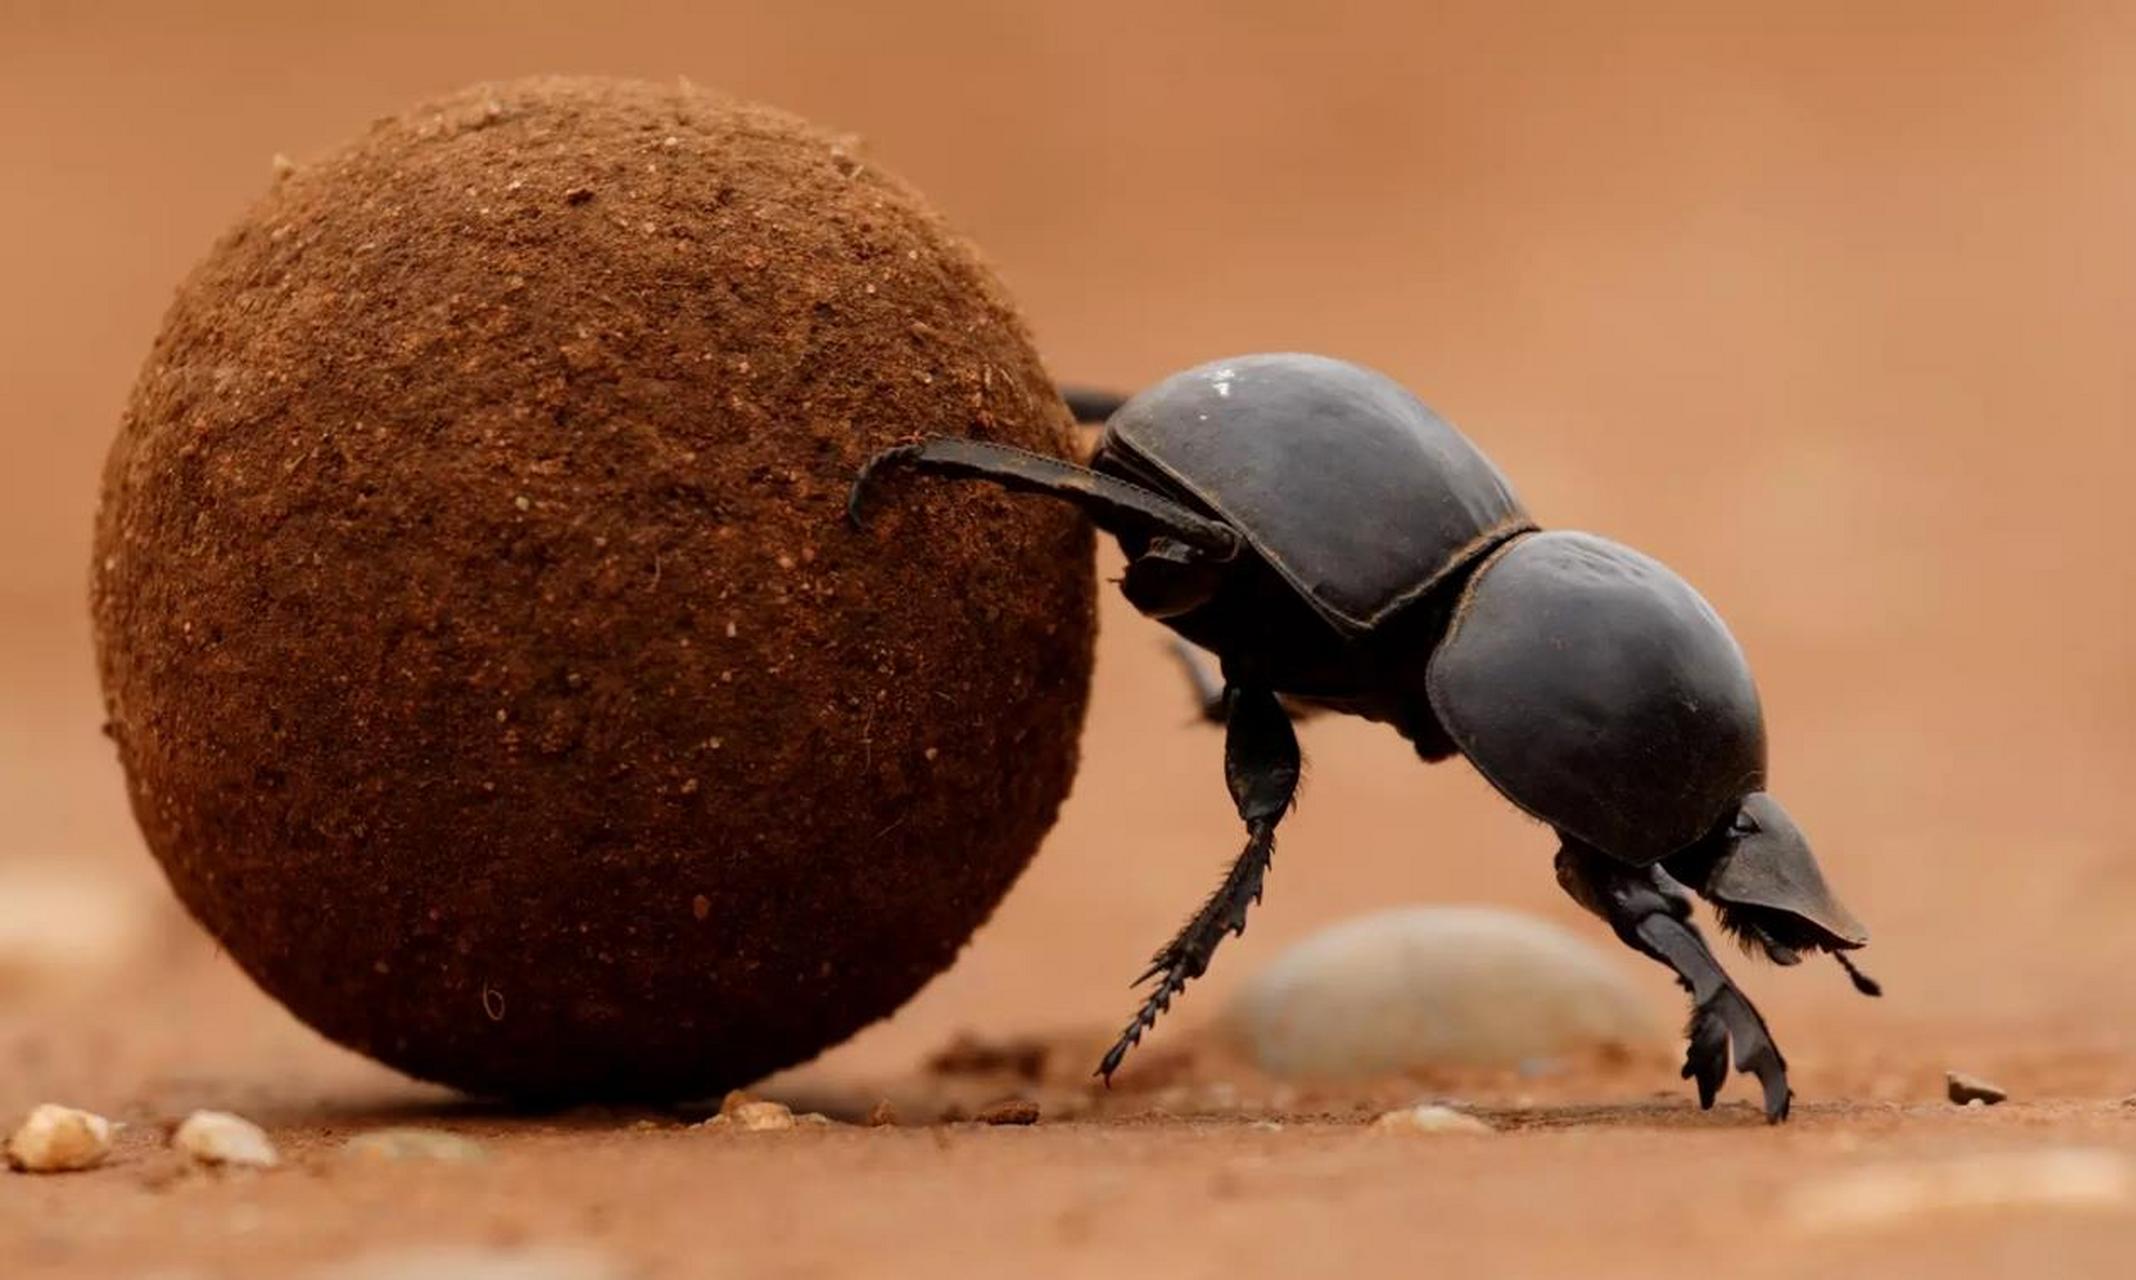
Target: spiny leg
[(1113, 503), (1261, 767), (1651, 913)]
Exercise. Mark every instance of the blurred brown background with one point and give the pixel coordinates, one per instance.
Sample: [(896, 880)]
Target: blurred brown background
[(1826, 304)]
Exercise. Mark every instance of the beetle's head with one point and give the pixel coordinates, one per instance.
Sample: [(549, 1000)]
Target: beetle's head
[(1765, 886)]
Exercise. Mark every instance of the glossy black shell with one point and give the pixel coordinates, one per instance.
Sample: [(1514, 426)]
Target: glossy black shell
[(1599, 692), (1348, 486)]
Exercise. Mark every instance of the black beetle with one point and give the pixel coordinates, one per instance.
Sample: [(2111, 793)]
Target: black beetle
[(1340, 546)]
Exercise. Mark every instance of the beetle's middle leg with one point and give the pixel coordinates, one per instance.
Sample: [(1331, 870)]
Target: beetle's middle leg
[(1210, 704), (1651, 913), (1261, 766)]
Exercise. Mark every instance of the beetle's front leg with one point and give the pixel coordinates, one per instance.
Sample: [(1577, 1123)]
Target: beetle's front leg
[(1651, 914), (1261, 766)]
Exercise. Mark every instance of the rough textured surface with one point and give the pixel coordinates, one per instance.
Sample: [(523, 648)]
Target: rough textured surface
[(492, 672), (1427, 988)]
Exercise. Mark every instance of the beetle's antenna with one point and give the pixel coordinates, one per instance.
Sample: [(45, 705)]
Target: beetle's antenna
[(1863, 983)]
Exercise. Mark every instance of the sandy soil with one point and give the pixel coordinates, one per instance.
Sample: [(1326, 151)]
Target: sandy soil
[(1829, 310)]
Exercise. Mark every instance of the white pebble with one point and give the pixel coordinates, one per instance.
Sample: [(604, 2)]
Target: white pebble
[(57, 1139), (1890, 1194), (1438, 987), (1428, 1118), (219, 1138)]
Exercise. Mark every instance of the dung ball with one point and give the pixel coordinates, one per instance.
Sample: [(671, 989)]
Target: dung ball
[(493, 674)]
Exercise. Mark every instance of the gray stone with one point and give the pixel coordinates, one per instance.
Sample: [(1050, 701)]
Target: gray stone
[(1439, 986)]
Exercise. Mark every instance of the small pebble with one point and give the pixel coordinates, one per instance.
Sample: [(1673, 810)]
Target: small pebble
[(219, 1138), (752, 1116), (882, 1115), (1010, 1111), (1429, 1118), (1964, 1089), (415, 1144), (57, 1139)]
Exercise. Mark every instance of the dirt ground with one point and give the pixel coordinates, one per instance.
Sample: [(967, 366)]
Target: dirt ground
[(1826, 305)]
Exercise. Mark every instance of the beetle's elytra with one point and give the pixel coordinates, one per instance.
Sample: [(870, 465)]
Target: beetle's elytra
[(1339, 546)]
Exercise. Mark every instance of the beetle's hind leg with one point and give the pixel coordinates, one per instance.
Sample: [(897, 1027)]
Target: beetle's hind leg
[(1092, 404), (1115, 504), (1261, 765), (1651, 914)]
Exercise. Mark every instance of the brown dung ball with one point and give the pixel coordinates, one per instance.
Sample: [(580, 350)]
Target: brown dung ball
[(494, 674)]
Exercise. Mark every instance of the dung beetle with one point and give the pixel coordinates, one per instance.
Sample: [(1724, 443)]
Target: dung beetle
[(1338, 546)]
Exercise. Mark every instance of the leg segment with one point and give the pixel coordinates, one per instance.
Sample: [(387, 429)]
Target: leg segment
[(1208, 692), (1113, 503), (1651, 914), (1261, 766), (1209, 703)]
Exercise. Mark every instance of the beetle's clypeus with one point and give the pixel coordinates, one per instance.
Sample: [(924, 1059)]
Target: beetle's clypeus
[(1337, 545)]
